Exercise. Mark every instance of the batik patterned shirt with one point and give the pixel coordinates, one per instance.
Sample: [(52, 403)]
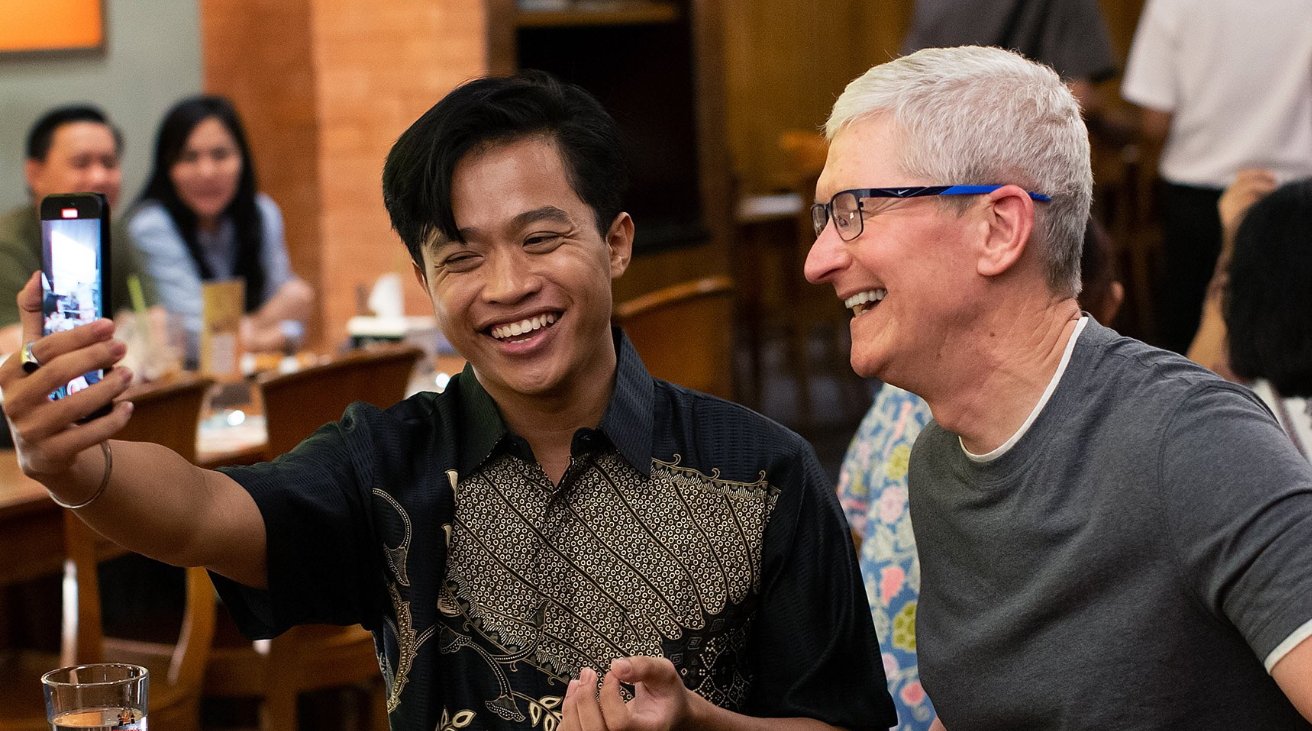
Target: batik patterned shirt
[(684, 527)]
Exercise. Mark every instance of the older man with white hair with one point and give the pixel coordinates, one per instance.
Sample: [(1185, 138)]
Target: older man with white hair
[(1110, 536)]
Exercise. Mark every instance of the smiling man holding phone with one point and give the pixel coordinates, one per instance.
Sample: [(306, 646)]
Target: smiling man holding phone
[(556, 516)]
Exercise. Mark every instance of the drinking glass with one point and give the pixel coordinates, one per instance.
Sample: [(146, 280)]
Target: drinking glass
[(102, 697)]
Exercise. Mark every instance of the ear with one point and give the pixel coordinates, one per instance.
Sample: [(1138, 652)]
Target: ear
[(1009, 223), (420, 276), (619, 239), (32, 171)]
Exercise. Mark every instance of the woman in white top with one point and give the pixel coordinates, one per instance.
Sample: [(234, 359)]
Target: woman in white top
[(200, 218)]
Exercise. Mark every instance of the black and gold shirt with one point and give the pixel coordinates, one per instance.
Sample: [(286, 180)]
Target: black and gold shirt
[(685, 526)]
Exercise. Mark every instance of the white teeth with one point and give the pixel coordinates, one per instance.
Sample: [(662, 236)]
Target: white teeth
[(514, 329), (860, 298)]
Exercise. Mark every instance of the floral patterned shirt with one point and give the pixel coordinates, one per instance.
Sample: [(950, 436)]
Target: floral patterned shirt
[(872, 487)]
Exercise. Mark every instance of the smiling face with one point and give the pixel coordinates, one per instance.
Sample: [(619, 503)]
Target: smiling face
[(83, 158), (526, 296), (207, 171), (906, 278)]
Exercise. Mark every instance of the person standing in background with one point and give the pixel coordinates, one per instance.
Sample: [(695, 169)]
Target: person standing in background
[(1223, 85), (1068, 35), (201, 218)]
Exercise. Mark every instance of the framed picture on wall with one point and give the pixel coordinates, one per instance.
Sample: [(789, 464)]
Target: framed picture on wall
[(29, 27)]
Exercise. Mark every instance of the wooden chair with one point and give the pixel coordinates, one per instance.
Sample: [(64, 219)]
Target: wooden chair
[(163, 413), (297, 403), (312, 657), (672, 328), (806, 308)]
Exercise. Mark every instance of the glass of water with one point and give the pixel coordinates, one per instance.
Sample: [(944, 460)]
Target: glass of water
[(102, 696)]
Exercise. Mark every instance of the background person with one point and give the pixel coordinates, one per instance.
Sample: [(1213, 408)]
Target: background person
[(1096, 519), (72, 149), (1223, 85), (1268, 306), (1068, 35), (201, 218), (554, 515)]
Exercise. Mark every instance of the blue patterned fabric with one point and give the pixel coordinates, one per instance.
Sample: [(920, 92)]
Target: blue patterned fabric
[(872, 487)]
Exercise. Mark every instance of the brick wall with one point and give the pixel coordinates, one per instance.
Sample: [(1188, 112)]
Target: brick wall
[(325, 87)]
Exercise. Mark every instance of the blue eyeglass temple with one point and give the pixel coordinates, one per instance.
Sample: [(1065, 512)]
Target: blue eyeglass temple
[(980, 190)]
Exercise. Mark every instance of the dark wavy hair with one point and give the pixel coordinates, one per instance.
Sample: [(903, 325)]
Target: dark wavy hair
[(177, 126), (417, 174), (1268, 303)]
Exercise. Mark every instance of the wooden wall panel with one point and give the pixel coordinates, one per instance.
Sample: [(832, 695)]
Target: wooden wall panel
[(325, 87), (258, 54), (785, 62)]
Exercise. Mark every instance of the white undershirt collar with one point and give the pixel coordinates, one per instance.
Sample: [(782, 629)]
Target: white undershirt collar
[(1038, 408)]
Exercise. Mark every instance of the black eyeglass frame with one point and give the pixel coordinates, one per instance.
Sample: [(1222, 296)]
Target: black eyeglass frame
[(821, 213)]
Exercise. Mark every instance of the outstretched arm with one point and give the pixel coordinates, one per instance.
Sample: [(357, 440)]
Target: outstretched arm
[(142, 496)]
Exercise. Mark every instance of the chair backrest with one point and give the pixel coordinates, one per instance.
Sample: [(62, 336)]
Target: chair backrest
[(674, 330), (167, 414), (805, 152), (83, 633), (297, 403)]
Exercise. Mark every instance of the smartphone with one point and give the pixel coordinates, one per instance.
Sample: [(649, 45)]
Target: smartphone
[(74, 271)]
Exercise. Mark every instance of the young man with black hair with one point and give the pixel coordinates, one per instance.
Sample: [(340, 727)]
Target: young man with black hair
[(554, 516)]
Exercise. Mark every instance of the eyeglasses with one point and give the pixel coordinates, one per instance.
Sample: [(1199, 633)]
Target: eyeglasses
[(846, 206)]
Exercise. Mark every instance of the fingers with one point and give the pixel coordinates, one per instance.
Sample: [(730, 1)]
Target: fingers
[(29, 307), (613, 708), (581, 711), (51, 417), (643, 669), (57, 451), (1249, 186), (48, 348)]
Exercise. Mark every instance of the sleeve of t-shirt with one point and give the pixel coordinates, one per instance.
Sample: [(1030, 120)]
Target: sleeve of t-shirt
[(14, 272), (163, 256), (1150, 69), (1238, 501), (277, 265), (323, 560), (813, 645)]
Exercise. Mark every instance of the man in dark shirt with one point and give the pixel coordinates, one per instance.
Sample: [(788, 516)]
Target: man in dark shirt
[(71, 149), (554, 516)]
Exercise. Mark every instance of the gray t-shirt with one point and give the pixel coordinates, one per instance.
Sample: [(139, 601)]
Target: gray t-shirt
[(1128, 564)]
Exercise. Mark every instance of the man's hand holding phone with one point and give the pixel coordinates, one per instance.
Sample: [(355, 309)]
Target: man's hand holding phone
[(46, 432)]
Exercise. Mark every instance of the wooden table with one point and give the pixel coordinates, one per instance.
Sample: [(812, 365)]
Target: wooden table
[(31, 529), (31, 526)]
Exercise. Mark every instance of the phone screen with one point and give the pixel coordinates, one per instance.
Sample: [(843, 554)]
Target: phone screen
[(74, 258)]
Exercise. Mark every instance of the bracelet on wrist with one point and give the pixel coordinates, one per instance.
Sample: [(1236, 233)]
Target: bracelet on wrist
[(104, 482)]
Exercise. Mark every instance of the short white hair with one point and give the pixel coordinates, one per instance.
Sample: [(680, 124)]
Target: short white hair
[(979, 116)]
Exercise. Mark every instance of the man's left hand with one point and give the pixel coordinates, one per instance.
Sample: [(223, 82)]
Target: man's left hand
[(660, 700)]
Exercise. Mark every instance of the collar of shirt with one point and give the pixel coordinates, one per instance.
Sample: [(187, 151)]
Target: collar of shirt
[(627, 423)]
